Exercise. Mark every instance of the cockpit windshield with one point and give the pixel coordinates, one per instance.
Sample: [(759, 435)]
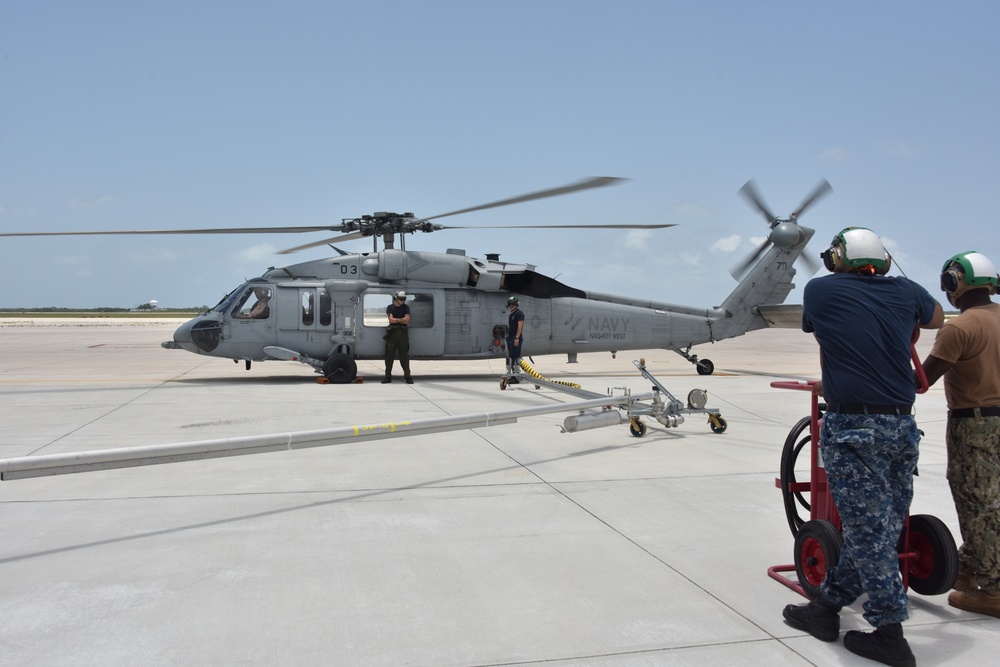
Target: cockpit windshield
[(226, 301), (255, 304), (243, 294)]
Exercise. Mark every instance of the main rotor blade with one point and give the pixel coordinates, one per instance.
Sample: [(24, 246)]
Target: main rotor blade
[(556, 226), (740, 269), (357, 235), (315, 244), (822, 188), (749, 190), (222, 230), (586, 184)]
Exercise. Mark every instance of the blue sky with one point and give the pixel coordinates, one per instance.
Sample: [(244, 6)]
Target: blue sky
[(129, 115)]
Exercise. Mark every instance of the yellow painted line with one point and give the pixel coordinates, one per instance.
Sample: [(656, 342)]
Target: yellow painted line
[(389, 427)]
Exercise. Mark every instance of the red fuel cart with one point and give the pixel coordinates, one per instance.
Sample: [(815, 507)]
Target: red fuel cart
[(928, 558)]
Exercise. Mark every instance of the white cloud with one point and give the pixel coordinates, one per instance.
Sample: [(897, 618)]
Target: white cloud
[(689, 210), (727, 244), (638, 239), (70, 260), (90, 203), (692, 259), (835, 154), (158, 255), (896, 148), (257, 252)]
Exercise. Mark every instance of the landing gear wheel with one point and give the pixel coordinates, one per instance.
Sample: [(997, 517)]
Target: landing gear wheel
[(705, 367), (718, 424), (789, 455), (637, 427), (934, 566), (340, 369), (817, 548)]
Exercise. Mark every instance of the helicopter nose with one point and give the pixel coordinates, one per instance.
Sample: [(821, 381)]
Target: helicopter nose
[(197, 335)]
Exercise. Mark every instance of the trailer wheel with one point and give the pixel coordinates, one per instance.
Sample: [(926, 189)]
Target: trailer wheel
[(789, 455), (637, 427), (817, 549), (340, 369), (718, 424), (934, 567)]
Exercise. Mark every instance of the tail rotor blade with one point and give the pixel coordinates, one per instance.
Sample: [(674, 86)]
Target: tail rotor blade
[(822, 189), (749, 190), (811, 264), (740, 269)]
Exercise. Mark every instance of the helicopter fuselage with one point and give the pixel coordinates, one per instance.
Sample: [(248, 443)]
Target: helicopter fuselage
[(335, 308)]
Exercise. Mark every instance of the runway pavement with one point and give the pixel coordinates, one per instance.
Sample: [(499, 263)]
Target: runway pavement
[(510, 545)]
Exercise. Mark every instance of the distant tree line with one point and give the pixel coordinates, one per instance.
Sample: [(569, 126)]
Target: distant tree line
[(103, 309)]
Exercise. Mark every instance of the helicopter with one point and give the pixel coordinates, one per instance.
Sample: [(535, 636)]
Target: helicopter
[(329, 313)]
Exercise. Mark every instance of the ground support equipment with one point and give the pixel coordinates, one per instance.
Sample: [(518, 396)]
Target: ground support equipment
[(928, 558), (664, 407)]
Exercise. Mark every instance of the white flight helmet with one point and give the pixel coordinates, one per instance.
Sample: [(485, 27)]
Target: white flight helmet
[(856, 248), (966, 271)]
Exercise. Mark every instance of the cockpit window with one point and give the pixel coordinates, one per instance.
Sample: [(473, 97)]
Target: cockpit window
[(255, 304)]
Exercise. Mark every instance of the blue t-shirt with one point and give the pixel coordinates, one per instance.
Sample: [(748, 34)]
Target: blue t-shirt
[(864, 325), (512, 320)]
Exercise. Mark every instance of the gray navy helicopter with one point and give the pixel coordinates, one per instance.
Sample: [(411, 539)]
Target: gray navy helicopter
[(329, 313)]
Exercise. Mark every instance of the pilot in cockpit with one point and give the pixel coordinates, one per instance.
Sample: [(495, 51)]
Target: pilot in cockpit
[(261, 309)]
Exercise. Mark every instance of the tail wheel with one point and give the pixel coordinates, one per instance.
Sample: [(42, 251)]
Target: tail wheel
[(932, 560), (705, 367), (817, 549), (637, 427), (340, 369), (789, 455)]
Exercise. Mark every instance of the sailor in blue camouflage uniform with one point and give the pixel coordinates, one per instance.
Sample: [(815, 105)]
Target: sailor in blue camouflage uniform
[(863, 321)]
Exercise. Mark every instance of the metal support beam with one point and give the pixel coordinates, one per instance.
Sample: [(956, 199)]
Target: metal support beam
[(143, 455)]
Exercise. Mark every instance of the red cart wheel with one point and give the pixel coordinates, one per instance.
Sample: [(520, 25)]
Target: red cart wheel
[(932, 561), (817, 548)]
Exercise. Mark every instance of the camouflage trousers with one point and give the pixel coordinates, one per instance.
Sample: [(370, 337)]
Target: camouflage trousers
[(870, 461), (974, 476)]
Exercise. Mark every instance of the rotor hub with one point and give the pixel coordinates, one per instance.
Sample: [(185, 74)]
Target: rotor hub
[(787, 235)]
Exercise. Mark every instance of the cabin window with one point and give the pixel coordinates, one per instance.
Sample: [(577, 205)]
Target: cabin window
[(325, 309), (421, 310), (308, 310), (308, 300)]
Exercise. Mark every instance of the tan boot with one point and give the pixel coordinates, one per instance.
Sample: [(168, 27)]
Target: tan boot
[(978, 601), (966, 581)]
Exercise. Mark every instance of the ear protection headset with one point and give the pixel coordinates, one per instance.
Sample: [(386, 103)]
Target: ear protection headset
[(966, 271), (857, 248)]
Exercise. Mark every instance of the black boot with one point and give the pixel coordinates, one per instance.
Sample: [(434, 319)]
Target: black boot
[(886, 645), (820, 618)]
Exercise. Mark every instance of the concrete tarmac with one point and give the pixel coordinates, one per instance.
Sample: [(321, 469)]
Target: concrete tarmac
[(510, 545)]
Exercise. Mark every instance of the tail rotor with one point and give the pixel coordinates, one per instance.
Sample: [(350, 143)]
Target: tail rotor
[(784, 232)]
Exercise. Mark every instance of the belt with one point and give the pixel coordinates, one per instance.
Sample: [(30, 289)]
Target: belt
[(968, 413), (862, 409)]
